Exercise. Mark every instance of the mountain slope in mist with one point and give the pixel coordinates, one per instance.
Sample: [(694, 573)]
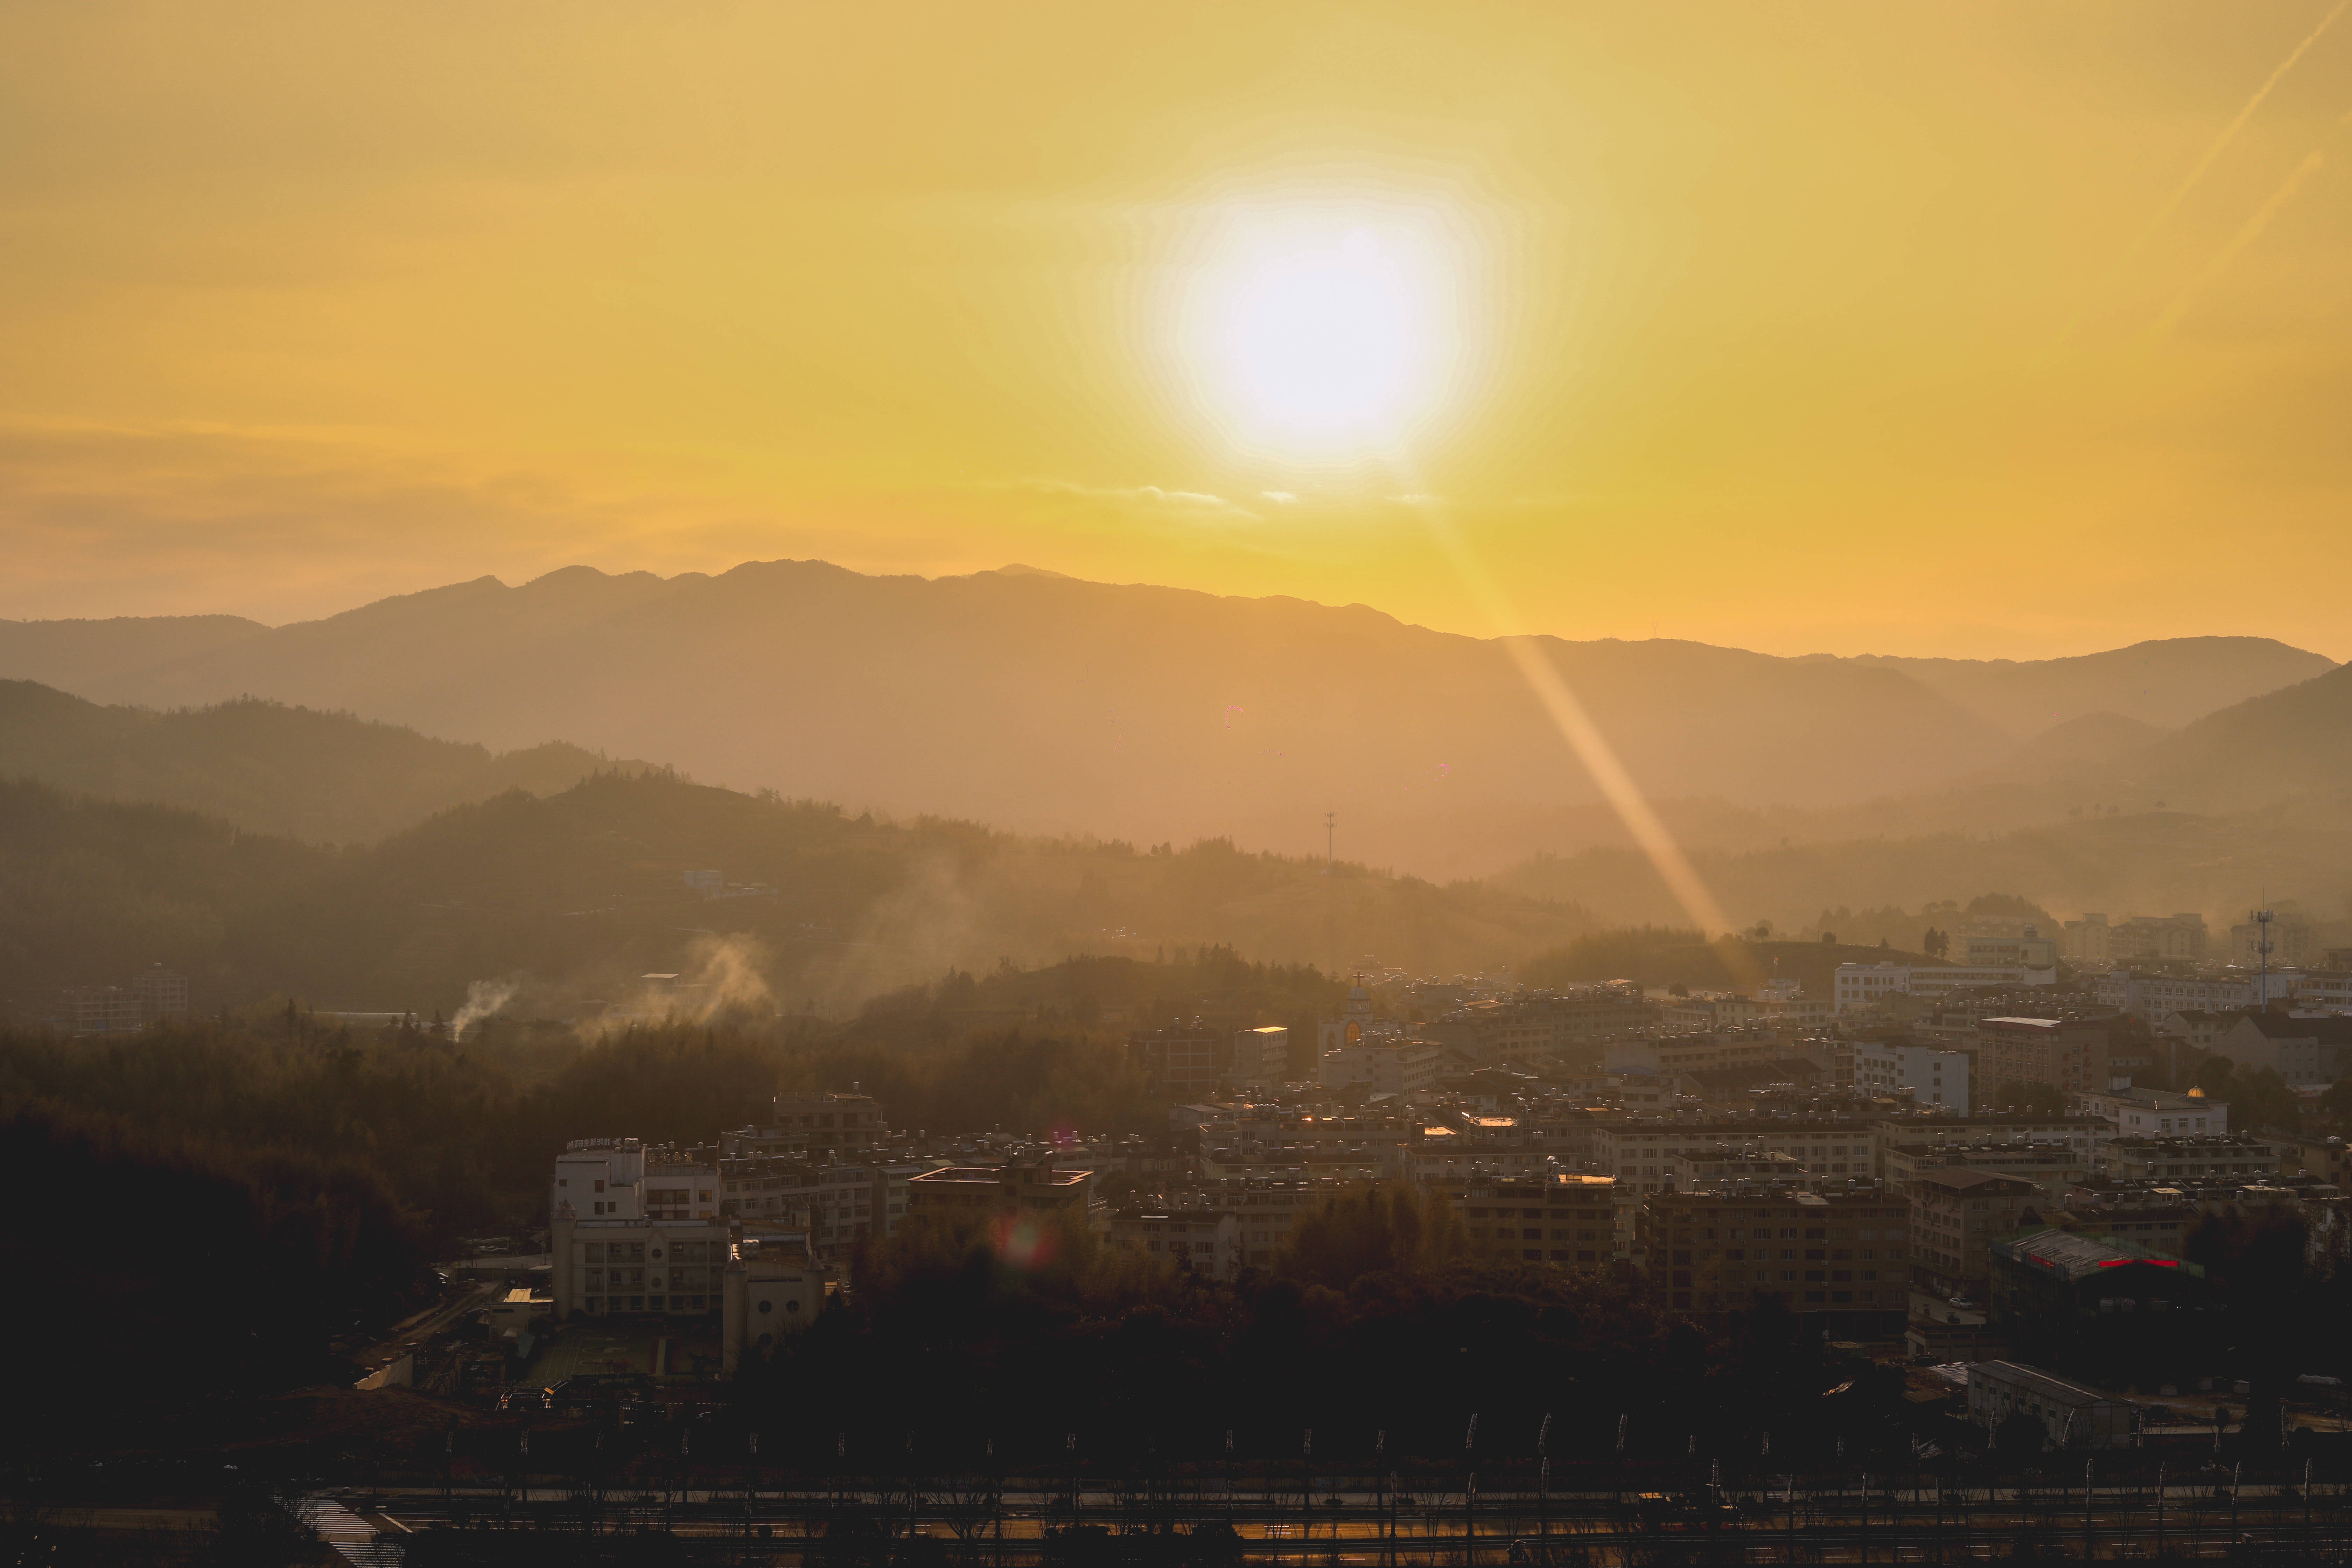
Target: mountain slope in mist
[(2163, 683), (579, 894), (323, 777), (1048, 704)]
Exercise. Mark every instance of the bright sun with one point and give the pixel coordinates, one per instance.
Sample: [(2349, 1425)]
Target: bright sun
[(1322, 334)]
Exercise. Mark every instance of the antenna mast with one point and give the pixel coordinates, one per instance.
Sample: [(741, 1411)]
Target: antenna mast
[(1330, 838)]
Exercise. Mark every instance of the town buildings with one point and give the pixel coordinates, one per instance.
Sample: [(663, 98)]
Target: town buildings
[(2301, 1048), (2093, 940)]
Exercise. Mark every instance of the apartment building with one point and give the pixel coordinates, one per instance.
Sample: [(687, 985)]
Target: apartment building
[(2213, 1157), (2301, 1047), (1838, 1255), (623, 1178), (1859, 987), (2094, 940), (1922, 1074), (1260, 1055), (2048, 1168), (813, 1124), (1956, 1214), (1568, 1220), (2153, 994), (953, 1192), (2069, 1055), (1399, 1066), (1179, 1061), (1265, 1212), (1206, 1241), (1639, 1153), (2153, 1113)]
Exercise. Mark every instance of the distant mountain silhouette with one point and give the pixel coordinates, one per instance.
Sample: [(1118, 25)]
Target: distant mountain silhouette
[(2281, 743), (323, 777), (2164, 683), (1048, 704)]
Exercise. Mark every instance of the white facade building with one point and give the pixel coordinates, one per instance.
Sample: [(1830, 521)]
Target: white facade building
[(2154, 1112), (1866, 985), (1260, 1055), (1928, 1076), (1403, 1067)]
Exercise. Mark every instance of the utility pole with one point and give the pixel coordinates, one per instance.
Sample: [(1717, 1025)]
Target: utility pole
[(2262, 948)]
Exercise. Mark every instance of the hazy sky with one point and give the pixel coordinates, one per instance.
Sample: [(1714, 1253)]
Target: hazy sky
[(1970, 328)]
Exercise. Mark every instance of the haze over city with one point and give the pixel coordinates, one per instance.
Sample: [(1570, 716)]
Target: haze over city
[(1065, 785)]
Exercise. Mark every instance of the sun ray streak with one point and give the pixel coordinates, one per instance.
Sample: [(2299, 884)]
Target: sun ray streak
[(1577, 727)]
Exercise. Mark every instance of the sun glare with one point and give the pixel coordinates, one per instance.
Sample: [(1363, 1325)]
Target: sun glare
[(1323, 333)]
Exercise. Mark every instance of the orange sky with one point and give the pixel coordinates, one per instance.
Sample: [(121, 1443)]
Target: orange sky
[(1902, 329)]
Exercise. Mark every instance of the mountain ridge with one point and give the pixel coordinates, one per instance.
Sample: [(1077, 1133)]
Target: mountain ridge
[(1048, 704)]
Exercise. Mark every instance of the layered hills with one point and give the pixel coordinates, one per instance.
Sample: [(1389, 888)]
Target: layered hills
[(1045, 704), (549, 900), (263, 767)]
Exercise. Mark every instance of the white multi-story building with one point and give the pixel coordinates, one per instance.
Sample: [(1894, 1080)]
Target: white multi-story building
[(621, 1178), (2154, 995), (1206, 1241), (1929, 1076), (1401, 1067), (1863, 985), (1260, 1055), (2153, 1113)]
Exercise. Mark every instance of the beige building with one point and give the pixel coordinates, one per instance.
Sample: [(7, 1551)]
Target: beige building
[(1399, 1066), (1206, 1241), (2069, 1055), (622, 1178), (2072, 1418), (2153, 1113), (1639, 1153), (814, 1124), (617, 1268), (1264, 1211), (1840, 1256), (770, 1288), (955, 1192), (1956, 1212), (1568, 1220), (2211, 1158), (1260, 1055), (2049, 1168)]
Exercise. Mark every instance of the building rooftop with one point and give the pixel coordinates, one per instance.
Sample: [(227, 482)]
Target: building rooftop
[(2056, 1390), (2073, 1258)]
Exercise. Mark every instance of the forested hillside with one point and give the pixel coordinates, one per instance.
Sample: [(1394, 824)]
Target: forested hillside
[(327, 778), (550, 903)]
